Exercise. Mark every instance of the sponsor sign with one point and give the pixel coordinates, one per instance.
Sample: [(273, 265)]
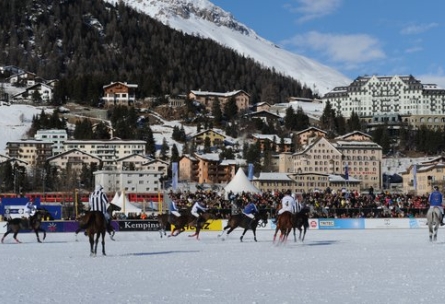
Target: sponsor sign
[(386, 223), (14, 211), (210, 225), (326, 224), (138, 225), (313, 224)]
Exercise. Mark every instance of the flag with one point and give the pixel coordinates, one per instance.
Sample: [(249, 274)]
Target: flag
[(415, 177), (346, 172), (250, 172), (174, 175)]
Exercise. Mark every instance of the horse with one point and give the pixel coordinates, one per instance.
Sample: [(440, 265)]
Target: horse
[(33, 223), (300, 221), (95, 226), (434, 217), (165, 220), (112, 207), (284, 225), (189, 220), (240, 220)]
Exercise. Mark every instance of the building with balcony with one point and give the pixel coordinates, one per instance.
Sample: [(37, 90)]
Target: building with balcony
[(376, 97), (242, 99), (109, 151), (119, 94), (56, 137), (30, 151), (352, 158), (74, 160), (419, 179), (129, 181), (207, 168)]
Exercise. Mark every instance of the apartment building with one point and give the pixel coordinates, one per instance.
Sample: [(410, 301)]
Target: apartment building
[(32, 152), (207, 168), (207, 98), (350, 156), (56, 137), (419, 179), (109, 151), (74, 160)]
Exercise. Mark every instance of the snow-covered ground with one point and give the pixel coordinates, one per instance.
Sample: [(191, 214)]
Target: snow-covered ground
[(15, 121), (342, 266)]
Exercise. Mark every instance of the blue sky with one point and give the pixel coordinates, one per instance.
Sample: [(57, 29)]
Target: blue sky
[(355, 37)]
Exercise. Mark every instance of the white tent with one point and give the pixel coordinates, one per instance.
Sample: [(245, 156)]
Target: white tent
[(126, 206), (115, 199), (240, 183)]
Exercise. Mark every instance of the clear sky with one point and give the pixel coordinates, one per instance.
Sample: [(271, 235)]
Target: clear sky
[(355, 37)]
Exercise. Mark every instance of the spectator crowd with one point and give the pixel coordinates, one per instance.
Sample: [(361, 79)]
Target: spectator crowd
[(327, 204)]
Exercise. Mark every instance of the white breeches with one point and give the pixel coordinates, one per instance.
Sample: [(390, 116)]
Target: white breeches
[(440, 208), (175, 213), (195, 214), (249, 215)]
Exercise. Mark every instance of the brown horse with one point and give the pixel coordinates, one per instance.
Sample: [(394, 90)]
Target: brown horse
[(284, 225), (240, 220), (33, 223), (110, 229), (188, 220), (165, 220), (94, 223), (300, 221)]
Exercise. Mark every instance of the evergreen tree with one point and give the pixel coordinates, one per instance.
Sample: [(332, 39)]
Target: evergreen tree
[(101, 131), (289, 118), (164, 149), (230, 108), (354, 123), (150, 147), (174, 154), (327, 119), (216, 111), (207, 145), (301, 120)]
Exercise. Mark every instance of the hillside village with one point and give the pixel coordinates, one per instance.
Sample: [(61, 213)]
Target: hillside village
[(304, 161)]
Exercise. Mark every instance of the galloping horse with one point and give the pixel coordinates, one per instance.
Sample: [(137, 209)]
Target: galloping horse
[(165, 220), (189, 220), (434, 217), (300, 221), (94, 223), (284, 225), (110, 229), (240, 220), (33, 223)]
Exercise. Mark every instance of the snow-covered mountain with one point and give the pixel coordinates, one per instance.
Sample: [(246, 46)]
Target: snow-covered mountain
[(204, 19)]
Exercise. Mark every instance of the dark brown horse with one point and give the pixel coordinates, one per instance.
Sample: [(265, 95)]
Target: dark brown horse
[(95, 226), (300, 221), (240, 220), (33, 223), (188, 220), (165, 221), (110, 229), (284, 225)]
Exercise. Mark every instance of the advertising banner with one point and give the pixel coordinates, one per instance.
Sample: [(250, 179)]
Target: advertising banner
[(212, 225), (138, 225), (353, 223)]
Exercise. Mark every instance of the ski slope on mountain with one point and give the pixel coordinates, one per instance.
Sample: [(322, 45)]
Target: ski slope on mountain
[(202, 18)]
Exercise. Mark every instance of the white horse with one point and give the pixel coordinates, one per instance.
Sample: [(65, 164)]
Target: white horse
[(434, 217)]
